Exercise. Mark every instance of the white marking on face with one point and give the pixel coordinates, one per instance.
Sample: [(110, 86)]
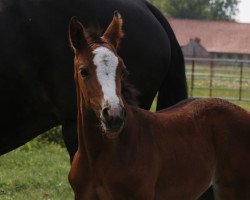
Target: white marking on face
[(106, 64)]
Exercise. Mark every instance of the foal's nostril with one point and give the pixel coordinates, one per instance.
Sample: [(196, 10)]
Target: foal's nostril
[(105, 112)]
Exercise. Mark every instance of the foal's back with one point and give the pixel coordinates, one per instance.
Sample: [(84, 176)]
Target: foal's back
[(204, 141)]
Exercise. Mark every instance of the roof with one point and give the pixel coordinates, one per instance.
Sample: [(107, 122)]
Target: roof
[(215, 36)]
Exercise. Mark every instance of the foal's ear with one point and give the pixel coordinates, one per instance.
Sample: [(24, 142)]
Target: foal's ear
[(76, 35), (114, 31)]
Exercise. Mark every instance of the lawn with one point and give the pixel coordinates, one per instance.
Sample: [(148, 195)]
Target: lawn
[(35, 171)]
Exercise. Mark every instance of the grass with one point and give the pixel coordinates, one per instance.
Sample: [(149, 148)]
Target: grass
[(38, 173)]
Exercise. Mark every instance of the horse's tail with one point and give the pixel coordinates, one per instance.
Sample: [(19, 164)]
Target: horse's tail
[(174, 86)]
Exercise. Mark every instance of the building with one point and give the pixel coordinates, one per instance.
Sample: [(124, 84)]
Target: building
[(213, 39)]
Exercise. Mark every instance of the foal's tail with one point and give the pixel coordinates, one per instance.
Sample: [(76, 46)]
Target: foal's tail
[(174, 87)]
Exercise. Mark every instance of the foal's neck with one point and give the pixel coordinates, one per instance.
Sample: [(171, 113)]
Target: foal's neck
[(89, 134)]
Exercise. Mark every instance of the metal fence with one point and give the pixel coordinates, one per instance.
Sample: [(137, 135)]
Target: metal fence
[(225, 78)]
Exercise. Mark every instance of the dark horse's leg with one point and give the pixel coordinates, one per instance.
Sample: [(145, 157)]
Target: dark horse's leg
[(208, 195), (70, 137), (174, 87)]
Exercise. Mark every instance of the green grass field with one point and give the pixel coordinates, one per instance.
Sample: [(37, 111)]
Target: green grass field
[(35, 173)]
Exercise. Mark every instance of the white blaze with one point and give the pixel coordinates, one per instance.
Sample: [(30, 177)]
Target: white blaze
[(106, 64)]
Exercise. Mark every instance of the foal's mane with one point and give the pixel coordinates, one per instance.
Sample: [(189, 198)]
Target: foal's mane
[(129, 92)]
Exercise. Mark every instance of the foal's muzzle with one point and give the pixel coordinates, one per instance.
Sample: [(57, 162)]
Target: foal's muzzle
[(113, 120)]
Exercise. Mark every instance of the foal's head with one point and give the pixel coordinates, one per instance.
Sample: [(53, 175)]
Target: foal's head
[(98, 72)]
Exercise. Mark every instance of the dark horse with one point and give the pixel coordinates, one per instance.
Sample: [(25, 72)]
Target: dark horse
[(125, 152), (36, 84)]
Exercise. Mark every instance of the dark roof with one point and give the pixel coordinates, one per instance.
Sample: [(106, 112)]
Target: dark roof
[(215, 36)]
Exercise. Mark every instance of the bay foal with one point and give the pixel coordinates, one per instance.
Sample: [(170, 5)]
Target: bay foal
[(126, 153)]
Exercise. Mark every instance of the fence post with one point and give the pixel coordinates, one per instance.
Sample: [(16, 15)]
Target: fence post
[(192, 78), (211, 78), (241, 74)]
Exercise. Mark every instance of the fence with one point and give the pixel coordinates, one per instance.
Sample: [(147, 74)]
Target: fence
[(225, 78)]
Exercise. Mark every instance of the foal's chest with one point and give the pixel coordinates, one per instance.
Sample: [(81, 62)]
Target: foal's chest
[(124, 183)]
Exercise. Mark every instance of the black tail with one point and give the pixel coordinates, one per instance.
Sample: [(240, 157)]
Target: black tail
[(174, 87)]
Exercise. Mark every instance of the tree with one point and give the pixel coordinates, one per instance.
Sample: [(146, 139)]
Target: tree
[(163, 5), (223, 9), (199, 9), (190, 9)]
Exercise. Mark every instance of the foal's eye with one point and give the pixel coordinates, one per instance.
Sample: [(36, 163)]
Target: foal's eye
[(84, 72)]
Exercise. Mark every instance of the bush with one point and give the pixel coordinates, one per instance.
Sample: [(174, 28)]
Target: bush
[(54, 135)]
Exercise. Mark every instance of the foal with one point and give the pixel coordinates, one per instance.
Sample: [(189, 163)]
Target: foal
[(126, 153)]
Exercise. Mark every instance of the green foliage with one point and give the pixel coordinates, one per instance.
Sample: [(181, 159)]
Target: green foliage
[(199, 9), (190, 9), (163, 5), (223, 9), (54, 135)]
